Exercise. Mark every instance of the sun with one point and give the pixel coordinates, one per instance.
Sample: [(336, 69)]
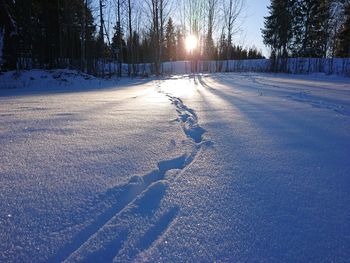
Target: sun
[(191, 43)]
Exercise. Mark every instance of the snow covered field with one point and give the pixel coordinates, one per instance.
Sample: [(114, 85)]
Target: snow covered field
[(200, 168)]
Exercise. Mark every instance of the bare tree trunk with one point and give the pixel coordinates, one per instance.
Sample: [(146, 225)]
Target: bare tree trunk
[(155, 33), (59, 31), (120, 44), (157, 37), (101, 21), (83, 39), (131, 51), (209, 45), (232, 10), (101, 37), (161, 19)]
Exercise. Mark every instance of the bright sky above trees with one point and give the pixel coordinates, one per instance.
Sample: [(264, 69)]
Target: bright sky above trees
[(256, 10), (251, 21)]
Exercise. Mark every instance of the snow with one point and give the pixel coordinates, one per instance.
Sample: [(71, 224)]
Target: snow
[(310, 66), (54, 80), (206, 167), (329, 66)]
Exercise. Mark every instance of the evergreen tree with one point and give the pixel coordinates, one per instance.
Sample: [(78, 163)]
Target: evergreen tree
[(222, 46), (343, 49), (118, 35), (311, 19), (180, 46), (53, 33), (136, 46), (277, 32), (209, 47), (9, 27), (253, 53), (170, 41), (146, 47)]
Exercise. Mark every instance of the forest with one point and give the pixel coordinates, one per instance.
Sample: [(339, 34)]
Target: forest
[(84, 34), (308, 28)]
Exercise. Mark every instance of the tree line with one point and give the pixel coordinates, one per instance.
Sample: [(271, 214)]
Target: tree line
[(48, 33), (308, 28), (82, 33), (76, 33)]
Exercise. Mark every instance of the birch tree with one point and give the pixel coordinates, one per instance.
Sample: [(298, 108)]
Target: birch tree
[(232, 11)]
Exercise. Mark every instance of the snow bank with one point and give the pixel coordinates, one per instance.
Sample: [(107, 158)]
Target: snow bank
[(52, 79), (338, 66), (329, 66)]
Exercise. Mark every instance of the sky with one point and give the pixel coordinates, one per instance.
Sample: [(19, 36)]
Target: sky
[(253, 22)]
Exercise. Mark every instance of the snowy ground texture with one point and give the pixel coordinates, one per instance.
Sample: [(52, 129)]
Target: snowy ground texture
[(199, 168)]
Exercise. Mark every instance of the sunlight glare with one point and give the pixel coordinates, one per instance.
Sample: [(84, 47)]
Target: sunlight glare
[(191, 43)]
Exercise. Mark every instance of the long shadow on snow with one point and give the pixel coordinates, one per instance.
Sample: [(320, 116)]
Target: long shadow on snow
[(61, 88), (154, 233), (107, 242), (124, 195), (275, 116), (295, 192), (299, 94)]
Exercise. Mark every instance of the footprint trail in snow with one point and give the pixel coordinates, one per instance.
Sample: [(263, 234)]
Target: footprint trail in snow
[(136, 221)]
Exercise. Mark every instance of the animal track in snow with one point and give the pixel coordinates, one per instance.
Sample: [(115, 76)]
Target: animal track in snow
[(133, 223), (189, 120)]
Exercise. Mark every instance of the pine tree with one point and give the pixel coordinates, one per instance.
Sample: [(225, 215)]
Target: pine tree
[(316, 40), (180, 45), (343, 49), (311, 27), (170, 41), (50, 32), (119, 36), (253, 53), (9, 26), (222, 46), (136, 46), (277, 32)]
